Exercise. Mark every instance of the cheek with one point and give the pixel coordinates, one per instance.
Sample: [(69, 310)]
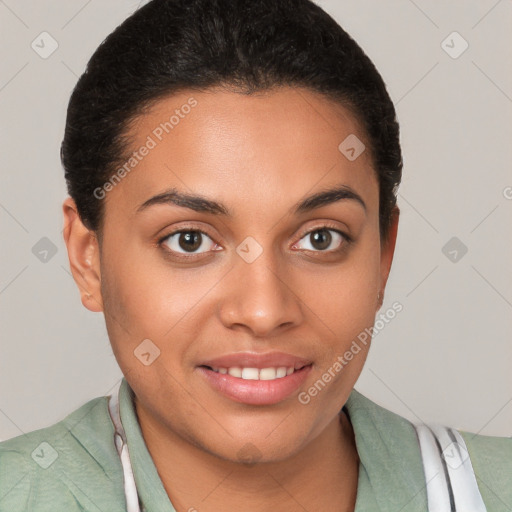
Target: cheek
[(142, 290), (346, 297), (344, 304), (344, 313), (145, 299)]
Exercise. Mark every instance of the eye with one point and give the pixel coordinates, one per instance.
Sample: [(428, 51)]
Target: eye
[(320, 239), (189, 241)]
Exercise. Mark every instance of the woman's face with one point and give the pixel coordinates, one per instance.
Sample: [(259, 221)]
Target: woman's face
[(268, 284)]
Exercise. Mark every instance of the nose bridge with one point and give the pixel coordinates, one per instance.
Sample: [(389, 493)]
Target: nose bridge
[(261, 298)]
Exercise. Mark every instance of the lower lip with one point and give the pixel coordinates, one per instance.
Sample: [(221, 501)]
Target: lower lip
[(255, 392)]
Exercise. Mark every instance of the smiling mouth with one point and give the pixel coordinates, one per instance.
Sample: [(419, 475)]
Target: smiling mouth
[(256, 386), (248, 373)]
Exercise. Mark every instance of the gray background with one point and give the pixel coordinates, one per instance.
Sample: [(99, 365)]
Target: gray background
[(447, 357)]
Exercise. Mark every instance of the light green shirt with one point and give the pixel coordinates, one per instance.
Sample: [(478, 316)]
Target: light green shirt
[(74, 466)]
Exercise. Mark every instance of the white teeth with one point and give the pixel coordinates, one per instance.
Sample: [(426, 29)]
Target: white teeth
[(250, 374), (256, 373), (281, 372), (268, 374), (235, 371)]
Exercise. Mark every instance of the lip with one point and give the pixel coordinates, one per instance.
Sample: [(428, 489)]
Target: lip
[(256, 392), (255, 360)]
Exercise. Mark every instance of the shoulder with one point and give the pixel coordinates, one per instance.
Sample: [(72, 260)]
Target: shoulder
[(71, 465), (396, 437), (389, 453), (491, 458)]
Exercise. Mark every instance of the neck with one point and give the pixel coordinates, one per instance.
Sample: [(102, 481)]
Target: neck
[(323, 476)]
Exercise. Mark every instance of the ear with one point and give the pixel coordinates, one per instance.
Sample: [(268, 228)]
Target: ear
[(84, 257), (387, 252)]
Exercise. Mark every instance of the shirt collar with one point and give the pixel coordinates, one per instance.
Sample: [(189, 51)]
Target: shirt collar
[(149, 485), (391, 469)]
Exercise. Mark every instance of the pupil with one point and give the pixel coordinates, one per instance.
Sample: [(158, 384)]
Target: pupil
[(321, 239), (190, 240)]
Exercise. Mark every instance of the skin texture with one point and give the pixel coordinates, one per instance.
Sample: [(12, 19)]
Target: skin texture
[(259, 155)]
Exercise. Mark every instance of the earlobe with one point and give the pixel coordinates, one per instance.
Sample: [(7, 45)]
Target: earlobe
[(84, 257)]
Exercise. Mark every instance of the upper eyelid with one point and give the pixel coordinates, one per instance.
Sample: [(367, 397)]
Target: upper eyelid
[(328, 227), (325, 225)]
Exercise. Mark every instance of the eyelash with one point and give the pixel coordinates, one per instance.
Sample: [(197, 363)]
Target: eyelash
[(191, 229)]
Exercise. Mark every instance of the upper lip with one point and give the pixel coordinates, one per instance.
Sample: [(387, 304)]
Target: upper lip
[(255, 360)]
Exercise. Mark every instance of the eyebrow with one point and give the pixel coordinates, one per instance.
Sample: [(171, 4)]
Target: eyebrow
[(204, 205)]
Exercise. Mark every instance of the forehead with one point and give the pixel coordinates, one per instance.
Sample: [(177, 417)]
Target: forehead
[(257, 151)]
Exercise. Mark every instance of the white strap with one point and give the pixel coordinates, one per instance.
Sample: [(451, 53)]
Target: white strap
[(462, 476), (451, 482), (130, 489), (438, 494)]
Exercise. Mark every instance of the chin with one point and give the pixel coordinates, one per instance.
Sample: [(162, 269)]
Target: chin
[(251, 450)]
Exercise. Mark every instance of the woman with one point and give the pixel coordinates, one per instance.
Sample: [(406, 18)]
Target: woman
[(232, 169)]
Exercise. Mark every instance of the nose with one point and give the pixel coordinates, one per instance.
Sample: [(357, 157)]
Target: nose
[(260, 297)]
